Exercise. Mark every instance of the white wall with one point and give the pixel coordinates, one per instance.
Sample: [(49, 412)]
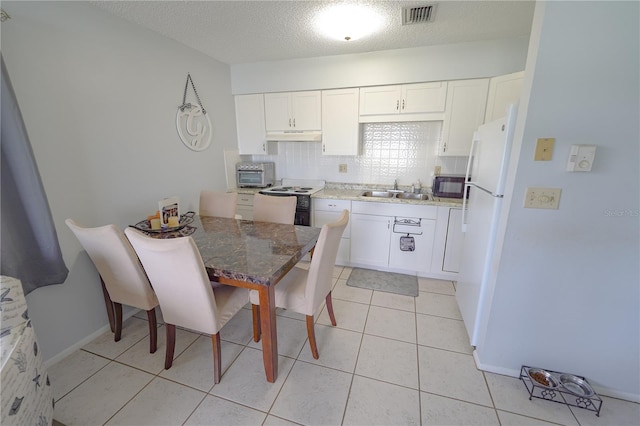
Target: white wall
[(567, 294), (99, 99), (432, 63)]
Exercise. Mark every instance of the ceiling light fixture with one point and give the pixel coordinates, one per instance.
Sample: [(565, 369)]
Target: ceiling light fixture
[(348, 22)]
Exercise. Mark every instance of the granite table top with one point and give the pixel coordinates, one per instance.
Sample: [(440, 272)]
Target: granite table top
[(255, 252)]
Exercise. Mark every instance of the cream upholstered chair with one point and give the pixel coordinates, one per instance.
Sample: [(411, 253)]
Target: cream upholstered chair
[(220, 204), (124, 282), (187, 299), (277, 209), (303, 290)]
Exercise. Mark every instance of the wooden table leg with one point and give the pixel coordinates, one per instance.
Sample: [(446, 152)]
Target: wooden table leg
[(269, 335)]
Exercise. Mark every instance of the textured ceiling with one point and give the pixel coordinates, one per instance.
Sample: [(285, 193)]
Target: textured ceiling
[(254, 31)]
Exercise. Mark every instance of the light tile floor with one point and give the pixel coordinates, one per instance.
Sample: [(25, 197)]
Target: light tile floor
[(392, 360)]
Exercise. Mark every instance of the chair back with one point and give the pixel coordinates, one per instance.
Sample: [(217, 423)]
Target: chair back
[(220, 204), (178, 276), (323, 261), (276, 209), (117, 264)]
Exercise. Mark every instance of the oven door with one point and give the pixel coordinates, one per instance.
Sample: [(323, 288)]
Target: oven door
[(250, 178)]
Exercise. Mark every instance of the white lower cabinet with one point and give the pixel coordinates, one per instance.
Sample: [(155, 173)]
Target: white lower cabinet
[(376, 231), (453, 244), (244, 206), (327, 210), (449, 238), (371, 237)]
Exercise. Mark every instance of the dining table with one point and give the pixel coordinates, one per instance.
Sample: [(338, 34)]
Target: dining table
[(253, 255)]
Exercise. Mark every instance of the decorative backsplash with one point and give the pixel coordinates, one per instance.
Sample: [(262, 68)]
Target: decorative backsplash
[(388, 151)]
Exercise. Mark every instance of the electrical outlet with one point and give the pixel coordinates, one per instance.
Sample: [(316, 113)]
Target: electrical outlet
[(437, 170), (342, 168), (542, 198)]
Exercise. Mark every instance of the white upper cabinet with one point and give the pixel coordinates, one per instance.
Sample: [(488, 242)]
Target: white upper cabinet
[(503, 91), (292, 111), (407, 102), (340, 127), (466, 103), (252, 138)]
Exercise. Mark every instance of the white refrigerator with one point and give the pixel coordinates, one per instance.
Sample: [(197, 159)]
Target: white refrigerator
[(486, 174)]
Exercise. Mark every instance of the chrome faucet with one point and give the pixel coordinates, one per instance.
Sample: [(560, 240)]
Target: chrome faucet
[(395, 185)]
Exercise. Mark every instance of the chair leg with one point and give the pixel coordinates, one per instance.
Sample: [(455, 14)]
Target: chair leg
[(117, 310), (153, 330), (312, 337), (109, 305), (171, 345), (217, 355), (257, 330), (330, 309)]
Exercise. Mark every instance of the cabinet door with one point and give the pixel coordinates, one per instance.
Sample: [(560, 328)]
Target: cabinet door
[(418, 260), (306, 110), (370, 236), (250, 125), (340, 126), (277, 111), (244, 206), (503, 91), (424, 97), (453, 245), (466, 102), (380, 100)]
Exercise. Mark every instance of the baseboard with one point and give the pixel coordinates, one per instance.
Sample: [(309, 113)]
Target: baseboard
[(78, 345), (600, 390)]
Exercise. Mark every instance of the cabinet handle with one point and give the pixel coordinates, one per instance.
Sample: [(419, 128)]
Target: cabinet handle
[(323, 147), (289, 122), (264, 148), (403, 104), (294, 122), (397, 104)]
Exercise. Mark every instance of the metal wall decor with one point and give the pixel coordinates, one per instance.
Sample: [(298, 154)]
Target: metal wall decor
[(192, 122)]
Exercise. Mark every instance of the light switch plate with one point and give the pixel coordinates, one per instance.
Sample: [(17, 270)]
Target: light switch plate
[(544, 149), (342, 168), (542, 198)]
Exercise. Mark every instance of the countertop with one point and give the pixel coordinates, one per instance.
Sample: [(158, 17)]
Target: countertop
[(354, 193)]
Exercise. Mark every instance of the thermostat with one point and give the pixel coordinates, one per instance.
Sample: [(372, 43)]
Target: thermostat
[(581, 158)]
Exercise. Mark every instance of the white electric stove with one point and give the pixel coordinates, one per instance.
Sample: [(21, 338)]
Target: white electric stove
[(302, 189)]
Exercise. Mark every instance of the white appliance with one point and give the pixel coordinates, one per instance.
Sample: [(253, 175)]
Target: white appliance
[(488, 164), (302, 189)]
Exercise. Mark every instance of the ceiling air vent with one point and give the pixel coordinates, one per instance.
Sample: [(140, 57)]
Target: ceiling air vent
[(418, 14)]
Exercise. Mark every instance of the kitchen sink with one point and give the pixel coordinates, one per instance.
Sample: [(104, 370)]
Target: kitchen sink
[(378, 194), (395, 194), (412, 196)]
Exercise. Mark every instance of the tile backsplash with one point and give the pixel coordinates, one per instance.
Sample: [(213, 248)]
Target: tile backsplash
[(388, 151)]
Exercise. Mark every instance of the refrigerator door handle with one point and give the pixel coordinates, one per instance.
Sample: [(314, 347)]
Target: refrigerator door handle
[(464, 207), (467, 178), (474, 144)]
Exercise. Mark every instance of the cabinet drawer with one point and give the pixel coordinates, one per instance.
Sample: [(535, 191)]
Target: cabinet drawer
[(392, 209), (245, 200), (331, 205)]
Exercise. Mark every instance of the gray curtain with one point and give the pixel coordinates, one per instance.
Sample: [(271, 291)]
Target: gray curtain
[(29, 244)]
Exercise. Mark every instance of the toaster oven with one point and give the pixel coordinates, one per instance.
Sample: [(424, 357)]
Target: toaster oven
[(255, 175)]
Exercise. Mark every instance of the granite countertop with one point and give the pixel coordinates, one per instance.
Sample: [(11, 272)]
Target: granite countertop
[(354, 192), (356, 195)]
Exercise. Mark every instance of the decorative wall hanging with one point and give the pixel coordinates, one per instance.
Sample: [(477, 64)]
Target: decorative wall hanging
[(192, 122)]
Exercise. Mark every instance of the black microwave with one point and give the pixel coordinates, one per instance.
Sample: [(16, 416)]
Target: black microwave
[(451, 186)]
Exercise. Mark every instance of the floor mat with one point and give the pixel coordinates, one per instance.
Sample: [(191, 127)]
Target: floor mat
[(389, 282)]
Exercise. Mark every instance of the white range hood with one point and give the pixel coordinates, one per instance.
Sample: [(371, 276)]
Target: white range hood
[(295, 135)]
